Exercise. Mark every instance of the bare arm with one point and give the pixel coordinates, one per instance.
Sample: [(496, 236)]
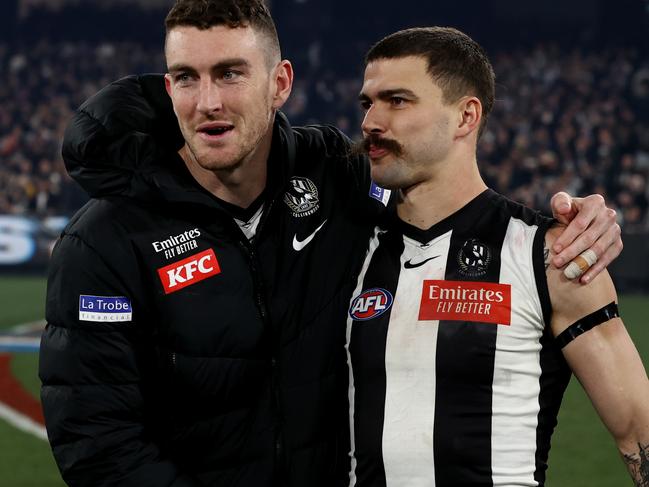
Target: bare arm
[(606, 363)]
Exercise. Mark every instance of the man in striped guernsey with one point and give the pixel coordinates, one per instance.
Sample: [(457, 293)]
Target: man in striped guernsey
[(461, 337)]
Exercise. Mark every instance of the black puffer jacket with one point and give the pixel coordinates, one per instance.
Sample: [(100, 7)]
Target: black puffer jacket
[(177, 352)]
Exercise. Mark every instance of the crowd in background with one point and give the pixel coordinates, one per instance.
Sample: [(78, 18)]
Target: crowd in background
[(563, 120), (40, 89)]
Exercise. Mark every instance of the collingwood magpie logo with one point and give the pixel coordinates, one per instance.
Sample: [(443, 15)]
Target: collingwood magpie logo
[(302, 197), (474, 258)]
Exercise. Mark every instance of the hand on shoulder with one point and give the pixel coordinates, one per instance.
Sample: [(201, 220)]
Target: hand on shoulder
[(571, 300)]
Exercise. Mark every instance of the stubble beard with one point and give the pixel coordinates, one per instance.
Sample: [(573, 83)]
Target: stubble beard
[(212, 162), (223, 159), (390, 174), (245, 145)]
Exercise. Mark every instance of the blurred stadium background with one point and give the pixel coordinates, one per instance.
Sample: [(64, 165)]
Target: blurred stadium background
[(572, 113)]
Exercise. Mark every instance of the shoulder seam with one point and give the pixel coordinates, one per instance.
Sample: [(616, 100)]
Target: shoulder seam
[(84, 111)]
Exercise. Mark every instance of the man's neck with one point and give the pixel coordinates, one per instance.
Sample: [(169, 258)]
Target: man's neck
[(433, 200), (239, 185)]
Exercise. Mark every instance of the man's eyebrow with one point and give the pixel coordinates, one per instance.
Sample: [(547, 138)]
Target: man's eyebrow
[(179, 67), (231, 63), (404, 92), (221, 65), (387, 94)]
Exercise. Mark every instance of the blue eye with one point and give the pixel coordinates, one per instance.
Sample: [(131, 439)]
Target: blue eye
[(230, 75), (182, 78)]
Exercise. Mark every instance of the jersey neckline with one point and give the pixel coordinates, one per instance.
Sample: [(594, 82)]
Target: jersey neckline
[(461, 218)]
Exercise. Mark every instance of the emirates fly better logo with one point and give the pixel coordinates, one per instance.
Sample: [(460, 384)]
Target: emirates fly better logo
[(189, 271), (483, 302)]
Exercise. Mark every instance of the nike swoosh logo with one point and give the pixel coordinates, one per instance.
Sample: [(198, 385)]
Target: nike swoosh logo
[(409, 265), (299, 245)]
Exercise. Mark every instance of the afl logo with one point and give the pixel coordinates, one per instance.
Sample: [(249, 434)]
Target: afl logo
[(370, 304), (474, 258)]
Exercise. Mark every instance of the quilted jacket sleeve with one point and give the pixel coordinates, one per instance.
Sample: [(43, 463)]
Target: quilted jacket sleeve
[(91, 382)]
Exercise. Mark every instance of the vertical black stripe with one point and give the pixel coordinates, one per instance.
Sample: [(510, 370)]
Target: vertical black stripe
[(538, 264), (465, 368), (555, 373), (367, 350)]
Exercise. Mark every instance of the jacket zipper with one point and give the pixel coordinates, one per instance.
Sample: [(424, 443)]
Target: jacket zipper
[(249, 251), (280, 459)]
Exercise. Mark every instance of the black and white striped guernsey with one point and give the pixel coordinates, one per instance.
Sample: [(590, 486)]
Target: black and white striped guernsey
[(454, 377)]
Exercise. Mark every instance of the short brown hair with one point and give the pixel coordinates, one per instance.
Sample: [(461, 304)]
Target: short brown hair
[(455, 61), (204, 14)]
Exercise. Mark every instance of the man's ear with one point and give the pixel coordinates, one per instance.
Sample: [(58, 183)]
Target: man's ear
[(470, 116), (283, 83), (168, 83)]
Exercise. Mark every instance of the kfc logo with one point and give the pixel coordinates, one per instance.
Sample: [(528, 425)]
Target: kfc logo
[(189, 271)]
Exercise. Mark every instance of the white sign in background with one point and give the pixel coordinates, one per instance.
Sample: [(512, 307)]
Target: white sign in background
[(28, 241)]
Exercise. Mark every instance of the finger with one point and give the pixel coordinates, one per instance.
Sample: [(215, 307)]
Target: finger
[(564, 209), (580, 264), (561, 203), (584, 242), (571, 241), (612, 252), (590, 274), (598, 238), (589, 209)]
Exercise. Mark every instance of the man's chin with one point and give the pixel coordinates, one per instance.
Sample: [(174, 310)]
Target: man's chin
[(383, 177), (393, 180), (213, 162)]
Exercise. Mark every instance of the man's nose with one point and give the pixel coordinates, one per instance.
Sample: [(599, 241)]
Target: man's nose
[(372, 123), (209, 99)]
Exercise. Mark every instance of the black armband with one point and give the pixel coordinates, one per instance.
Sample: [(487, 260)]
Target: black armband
[(588, 322)]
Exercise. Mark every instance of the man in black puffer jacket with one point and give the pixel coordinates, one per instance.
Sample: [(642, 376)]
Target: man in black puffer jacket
[(195, 306), (181, 348)]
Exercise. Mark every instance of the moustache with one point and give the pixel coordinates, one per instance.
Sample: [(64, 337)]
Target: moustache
[(362, 147)]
